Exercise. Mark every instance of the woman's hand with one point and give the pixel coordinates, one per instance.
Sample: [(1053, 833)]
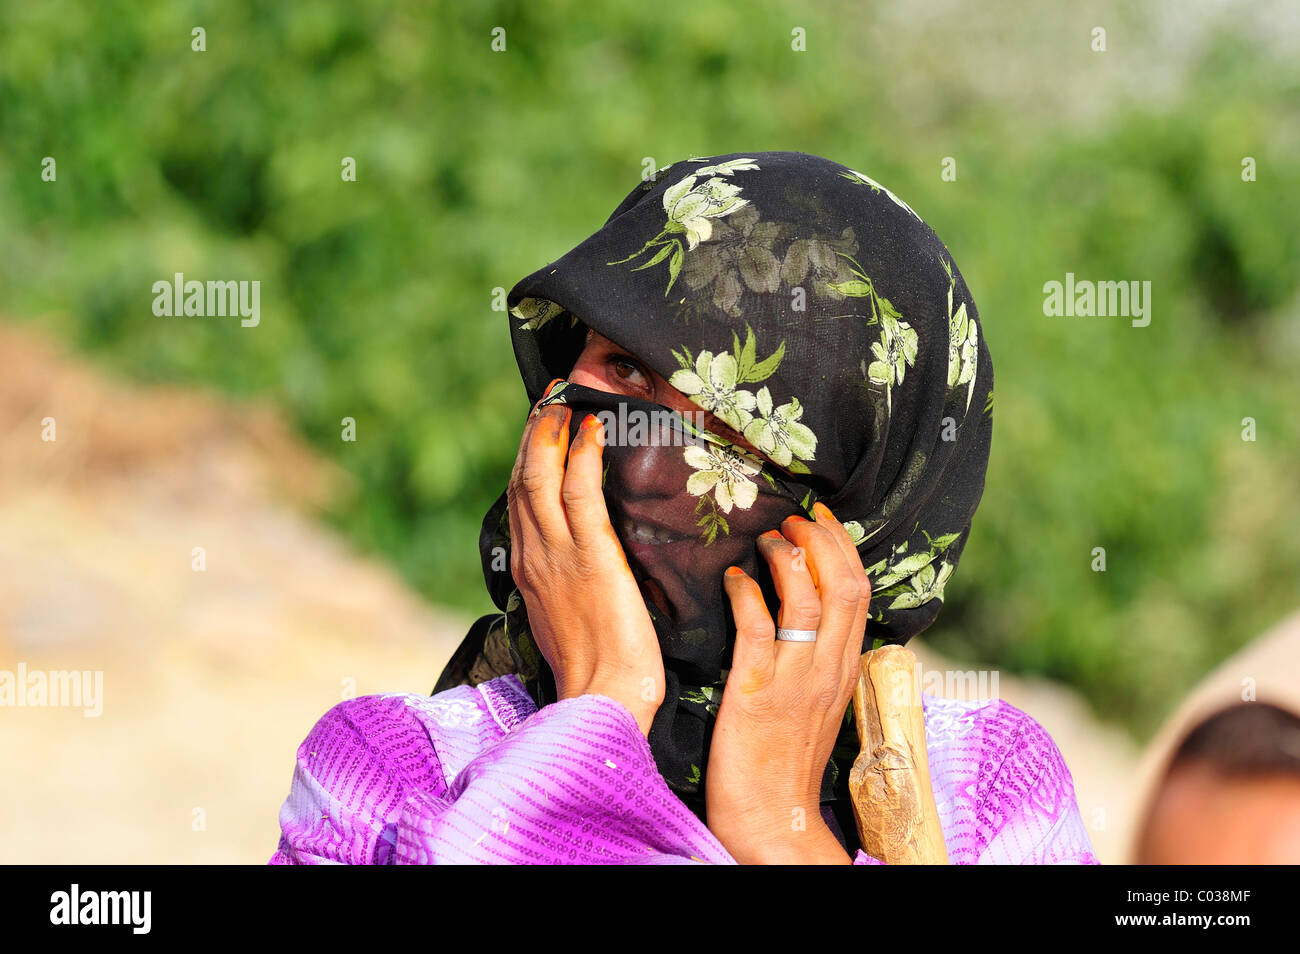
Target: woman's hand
[(585, 609), (784, 701)]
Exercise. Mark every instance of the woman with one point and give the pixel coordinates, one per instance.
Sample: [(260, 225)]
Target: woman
[(750, 341)]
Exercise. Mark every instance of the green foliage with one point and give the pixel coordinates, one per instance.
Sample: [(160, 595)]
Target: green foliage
[(475, 168)]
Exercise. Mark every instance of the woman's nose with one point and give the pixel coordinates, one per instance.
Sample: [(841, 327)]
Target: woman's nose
[(648, 470)]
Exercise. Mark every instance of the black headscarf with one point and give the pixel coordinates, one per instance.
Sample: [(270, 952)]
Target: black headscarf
[(811, 310)]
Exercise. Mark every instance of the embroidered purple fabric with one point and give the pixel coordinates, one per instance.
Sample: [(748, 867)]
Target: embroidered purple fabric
[(477, 775)]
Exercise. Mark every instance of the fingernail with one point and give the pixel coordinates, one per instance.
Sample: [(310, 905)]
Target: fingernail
[(795, 516), (735, 571), (771, 535), (827, 509), (592, 423)]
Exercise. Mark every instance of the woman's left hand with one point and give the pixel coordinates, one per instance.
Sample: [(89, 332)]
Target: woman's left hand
[(784, 701)]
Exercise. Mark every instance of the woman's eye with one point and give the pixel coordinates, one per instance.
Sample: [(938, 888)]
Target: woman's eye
[(628, 370)]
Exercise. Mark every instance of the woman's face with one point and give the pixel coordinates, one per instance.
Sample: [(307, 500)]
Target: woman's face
[(657, 520), (607, 367)]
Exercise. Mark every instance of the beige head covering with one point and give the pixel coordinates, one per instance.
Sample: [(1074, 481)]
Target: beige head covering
[(1266, 670)]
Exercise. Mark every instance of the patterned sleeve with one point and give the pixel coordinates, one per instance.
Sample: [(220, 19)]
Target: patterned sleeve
[(1002, 789), (575, 784), (1041, 820), (1004, 793), (353, 775), (572, 783)]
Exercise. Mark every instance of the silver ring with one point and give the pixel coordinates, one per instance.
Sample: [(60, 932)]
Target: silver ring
[(797, 635)]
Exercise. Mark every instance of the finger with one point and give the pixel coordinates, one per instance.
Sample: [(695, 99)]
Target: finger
[(800, 603), (525, 533), (839, 592), (546, 392), (522, 520), (528, 429), (842, 539), (752, 659), (541, 471), (581, 492), (854, 648)]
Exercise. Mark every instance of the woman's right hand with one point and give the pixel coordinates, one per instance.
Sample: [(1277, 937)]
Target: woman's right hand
[(585, 609)]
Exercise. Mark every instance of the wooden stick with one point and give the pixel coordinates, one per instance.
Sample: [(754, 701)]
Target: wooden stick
[(890, 782)]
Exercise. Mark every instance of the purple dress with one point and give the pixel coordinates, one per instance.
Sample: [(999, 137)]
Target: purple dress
[(480, 775)]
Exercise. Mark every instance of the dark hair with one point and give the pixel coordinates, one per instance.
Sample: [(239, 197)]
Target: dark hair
[(1249, 738)]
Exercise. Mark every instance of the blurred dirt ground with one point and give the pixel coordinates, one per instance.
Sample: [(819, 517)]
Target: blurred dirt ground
[(211, 679)]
